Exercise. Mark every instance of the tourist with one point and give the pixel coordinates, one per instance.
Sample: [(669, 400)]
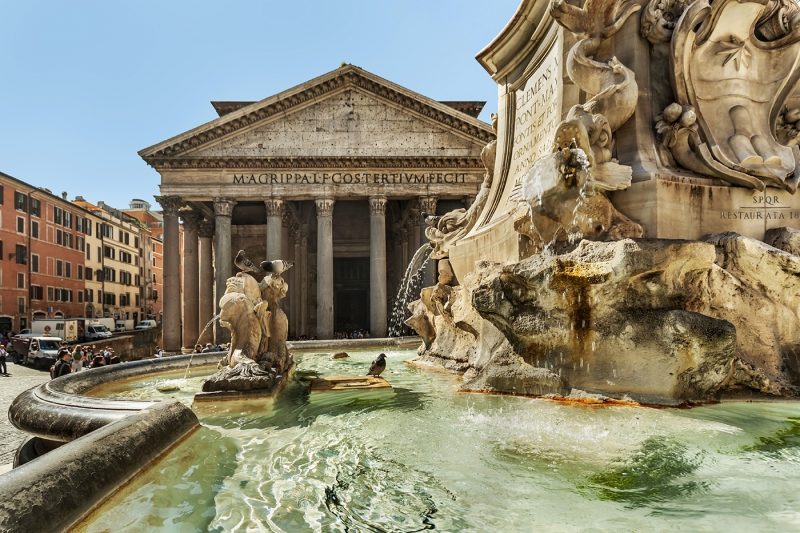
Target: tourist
[(97, 362), (3, 355), (159, 352), (115, 360), (198, 348), (208, 348), (107, 355), (64, 364), (77, 359)]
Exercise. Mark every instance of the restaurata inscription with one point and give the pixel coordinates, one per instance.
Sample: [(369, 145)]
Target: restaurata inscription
[(350, 178), (763, 207)]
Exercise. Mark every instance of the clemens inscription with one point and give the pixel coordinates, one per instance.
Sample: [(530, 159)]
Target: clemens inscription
[(537, 115), (350, 178)]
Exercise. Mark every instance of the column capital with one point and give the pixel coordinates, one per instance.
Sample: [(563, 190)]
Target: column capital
[(206, 229), (377, 205), (223, 207), (274, 207), (428, 205), (324, 207), (191, 220), (170, 204)]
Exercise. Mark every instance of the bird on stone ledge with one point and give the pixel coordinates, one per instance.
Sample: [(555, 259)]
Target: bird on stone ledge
[(378, 366), (278, 266)]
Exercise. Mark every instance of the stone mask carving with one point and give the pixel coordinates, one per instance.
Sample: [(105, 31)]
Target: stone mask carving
[(734, 63)]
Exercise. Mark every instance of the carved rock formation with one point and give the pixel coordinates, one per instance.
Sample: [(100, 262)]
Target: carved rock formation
[(658, 321)]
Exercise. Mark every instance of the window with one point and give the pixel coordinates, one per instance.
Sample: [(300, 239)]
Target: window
[(36, 292), (108, 251), (1, 250), (20, 225), (21, 305), (34, 263), (36, 207), (20, 280), (67, 220), (99, 275), (136, 242), (67, 269), (34, 229), (1, 195), (80, 271), (59, 267), (20, 201), (88, 253), (59, 237), (58, 215), (50, 294), (88, 273), (21, 254), (80, 297)]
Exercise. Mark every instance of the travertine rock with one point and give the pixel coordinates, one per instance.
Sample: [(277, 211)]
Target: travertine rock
[(786, 239), (659, 321)]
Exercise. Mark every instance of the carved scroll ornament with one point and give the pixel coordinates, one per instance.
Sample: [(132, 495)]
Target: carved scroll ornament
[(734, 63)]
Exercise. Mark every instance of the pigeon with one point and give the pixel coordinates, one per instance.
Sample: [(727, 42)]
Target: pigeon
[(377, 366), (278, 266), (244, 263)]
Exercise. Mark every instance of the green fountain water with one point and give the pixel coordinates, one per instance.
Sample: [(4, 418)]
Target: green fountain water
[(425, 456)]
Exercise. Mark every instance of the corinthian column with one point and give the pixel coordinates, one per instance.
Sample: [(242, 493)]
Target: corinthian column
[(191, 281), (324, 268), (206, 306), (172, 275), (274, 228), (377, 266), (223, 261), (428, 207)]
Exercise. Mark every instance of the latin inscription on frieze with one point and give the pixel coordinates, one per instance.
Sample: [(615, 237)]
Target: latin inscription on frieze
[(349, 178), (537, 115)]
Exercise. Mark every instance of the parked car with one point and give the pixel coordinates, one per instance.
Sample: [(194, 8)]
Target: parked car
[(146, 324), (38, 351)]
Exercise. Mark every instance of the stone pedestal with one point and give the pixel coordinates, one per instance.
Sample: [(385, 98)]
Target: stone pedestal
[(324, 268), (377, 266), (172, 289), (223, 260), (671, 206)]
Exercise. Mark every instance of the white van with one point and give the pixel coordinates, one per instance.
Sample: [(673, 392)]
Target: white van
[(146, 324), (97, 331)]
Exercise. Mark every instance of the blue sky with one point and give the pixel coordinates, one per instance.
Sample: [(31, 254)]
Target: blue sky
[(84, 85)]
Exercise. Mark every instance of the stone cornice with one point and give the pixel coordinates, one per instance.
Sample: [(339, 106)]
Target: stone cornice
[(281, 103), (167, 163)]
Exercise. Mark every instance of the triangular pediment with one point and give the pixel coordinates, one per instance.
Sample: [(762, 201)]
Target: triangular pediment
[(347, 113)]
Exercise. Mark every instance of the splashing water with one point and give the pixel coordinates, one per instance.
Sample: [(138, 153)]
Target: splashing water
[(410, 286), (208, 325)]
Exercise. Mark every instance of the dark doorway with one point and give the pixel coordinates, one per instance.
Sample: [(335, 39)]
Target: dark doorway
[(350, 294)]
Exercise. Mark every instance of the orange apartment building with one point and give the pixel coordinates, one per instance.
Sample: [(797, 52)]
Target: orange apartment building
[(42, 242), (152, 252)]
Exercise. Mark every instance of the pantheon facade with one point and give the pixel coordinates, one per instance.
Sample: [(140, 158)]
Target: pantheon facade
[(335, 174)]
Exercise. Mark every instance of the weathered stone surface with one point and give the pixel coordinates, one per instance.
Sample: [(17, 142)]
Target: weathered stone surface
[(55, 491), (786, 239), (658, 321)]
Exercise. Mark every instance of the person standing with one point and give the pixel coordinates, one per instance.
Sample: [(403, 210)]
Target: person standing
[(3, 355), (64, 364)]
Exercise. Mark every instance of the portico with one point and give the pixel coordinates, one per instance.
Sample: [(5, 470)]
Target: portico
[(335, 175)]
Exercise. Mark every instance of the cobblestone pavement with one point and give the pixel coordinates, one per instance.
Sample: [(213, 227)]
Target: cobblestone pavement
[(21, 379)]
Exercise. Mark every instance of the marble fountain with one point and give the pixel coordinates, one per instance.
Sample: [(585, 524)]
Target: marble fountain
[(634, 251)]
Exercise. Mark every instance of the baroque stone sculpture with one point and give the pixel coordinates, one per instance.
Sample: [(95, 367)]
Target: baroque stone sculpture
[(734, 64), (257, 358)]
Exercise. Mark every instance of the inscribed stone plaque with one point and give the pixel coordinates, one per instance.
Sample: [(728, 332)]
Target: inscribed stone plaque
[(536, 117)]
